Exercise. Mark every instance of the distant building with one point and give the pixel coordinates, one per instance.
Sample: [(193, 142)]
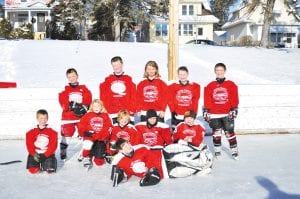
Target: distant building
[(36, 12), (195, 22), (284, 29)]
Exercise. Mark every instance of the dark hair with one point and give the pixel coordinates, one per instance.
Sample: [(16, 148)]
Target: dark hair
[(119, 143), (71, 70), (183, 68), (42, 112), (115, 59), (220, 65)]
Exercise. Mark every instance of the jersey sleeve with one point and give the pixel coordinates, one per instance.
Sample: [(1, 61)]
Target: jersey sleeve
[(52, 143)]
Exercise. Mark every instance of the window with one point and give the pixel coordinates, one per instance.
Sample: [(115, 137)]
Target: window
[(184, 10), (187, 10), (179, 30), (200, 31), (23, 18), (188, 29), (161, 30)]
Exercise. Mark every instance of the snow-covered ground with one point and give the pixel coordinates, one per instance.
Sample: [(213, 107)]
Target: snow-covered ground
[(268, 168), (268, 79)]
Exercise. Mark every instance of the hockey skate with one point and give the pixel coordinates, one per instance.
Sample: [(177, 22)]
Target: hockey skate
[(80, 158), (217, 151), (234, 153), (63, 151), (87, 163)]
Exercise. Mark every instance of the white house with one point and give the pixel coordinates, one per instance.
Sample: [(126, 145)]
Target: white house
[(36, 12), (284, 29), (195, 22)]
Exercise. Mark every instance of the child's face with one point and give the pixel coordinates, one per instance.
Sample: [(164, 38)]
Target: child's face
[(42, 119), (72, 77), (126, 148), (117, 67), (182, 75), (220, 72), (152, 120), (189, 121), (96, 107), (123, 121), (151, 71)]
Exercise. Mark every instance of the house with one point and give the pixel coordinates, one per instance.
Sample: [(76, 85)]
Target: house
[(36, 12), (195, 22), (284, 29)]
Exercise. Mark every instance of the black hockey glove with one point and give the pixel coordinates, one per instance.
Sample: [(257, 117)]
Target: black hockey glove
[(117, 175), (233, 113), (206, 115), (152, 178), (39, 157), (78, 109), (88, 134)]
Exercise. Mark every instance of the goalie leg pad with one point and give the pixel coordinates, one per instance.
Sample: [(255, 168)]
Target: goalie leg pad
[(50, 164), (99, 149), (117, 175), (31, 163), (152, 178)]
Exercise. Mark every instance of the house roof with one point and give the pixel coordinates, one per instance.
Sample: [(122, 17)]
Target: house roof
[(25, 5)]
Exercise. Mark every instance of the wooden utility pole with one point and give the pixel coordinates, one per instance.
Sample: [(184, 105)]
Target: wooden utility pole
[(173, 39)]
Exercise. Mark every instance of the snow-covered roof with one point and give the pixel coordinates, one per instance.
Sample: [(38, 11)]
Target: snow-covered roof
[(206, 5), (199, 19)]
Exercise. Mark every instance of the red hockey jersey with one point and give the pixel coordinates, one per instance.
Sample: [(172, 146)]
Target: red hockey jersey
[(152, 94), (157, 135), (73, 94), (118, 93), (128, 132), (183, 97), (98, 124), (143, 159), (43, 141), (196, 132), (220, 98)]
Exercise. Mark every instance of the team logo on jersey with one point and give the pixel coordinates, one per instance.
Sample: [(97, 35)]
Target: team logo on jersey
[(220, 95), (150, 138), (138, 166), (41, 143), (123, 134), (118, 87), (184, 97), (150, 93), (189, 132), (75, 97), (96, 123)]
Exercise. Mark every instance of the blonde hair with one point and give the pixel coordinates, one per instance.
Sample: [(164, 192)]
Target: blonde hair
[(154, 65), (97, 101), (123, 113)]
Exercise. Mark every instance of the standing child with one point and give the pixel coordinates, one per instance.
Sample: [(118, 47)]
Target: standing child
[(74, 101), (221, 102), (118, 91), (183, 96), (152, 93), (123, 129), (41, 143), (95, 127)]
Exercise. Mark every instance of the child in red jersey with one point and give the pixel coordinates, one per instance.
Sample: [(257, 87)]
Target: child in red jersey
[(41, 143), (190, 131), (118, 91), (74, 101), (221, 102), (139, 161), (95, 127), (151, 93), (123, 129)]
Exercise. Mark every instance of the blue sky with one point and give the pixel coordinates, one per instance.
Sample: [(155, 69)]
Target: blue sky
[(2, 2)]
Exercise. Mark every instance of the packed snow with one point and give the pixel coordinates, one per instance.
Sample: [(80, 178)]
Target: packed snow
[(269, 86)]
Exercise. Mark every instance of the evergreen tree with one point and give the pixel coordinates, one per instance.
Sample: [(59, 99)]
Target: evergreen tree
[(5, 28)]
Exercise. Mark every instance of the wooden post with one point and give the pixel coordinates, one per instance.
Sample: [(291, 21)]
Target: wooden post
[(173, 39)]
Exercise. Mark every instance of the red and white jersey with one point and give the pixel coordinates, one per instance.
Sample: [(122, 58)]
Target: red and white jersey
[(183, 97), (127, 132), (151, 94), (42, 141), (98, 124), (159, 135), (118, 93), (220, 98), (196, 132), (142, 160), (79, 93)]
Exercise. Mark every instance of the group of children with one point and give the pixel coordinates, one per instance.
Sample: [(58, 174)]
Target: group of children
[(108, 132)]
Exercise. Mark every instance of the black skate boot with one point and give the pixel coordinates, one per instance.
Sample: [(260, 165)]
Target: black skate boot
[(63, 151)]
